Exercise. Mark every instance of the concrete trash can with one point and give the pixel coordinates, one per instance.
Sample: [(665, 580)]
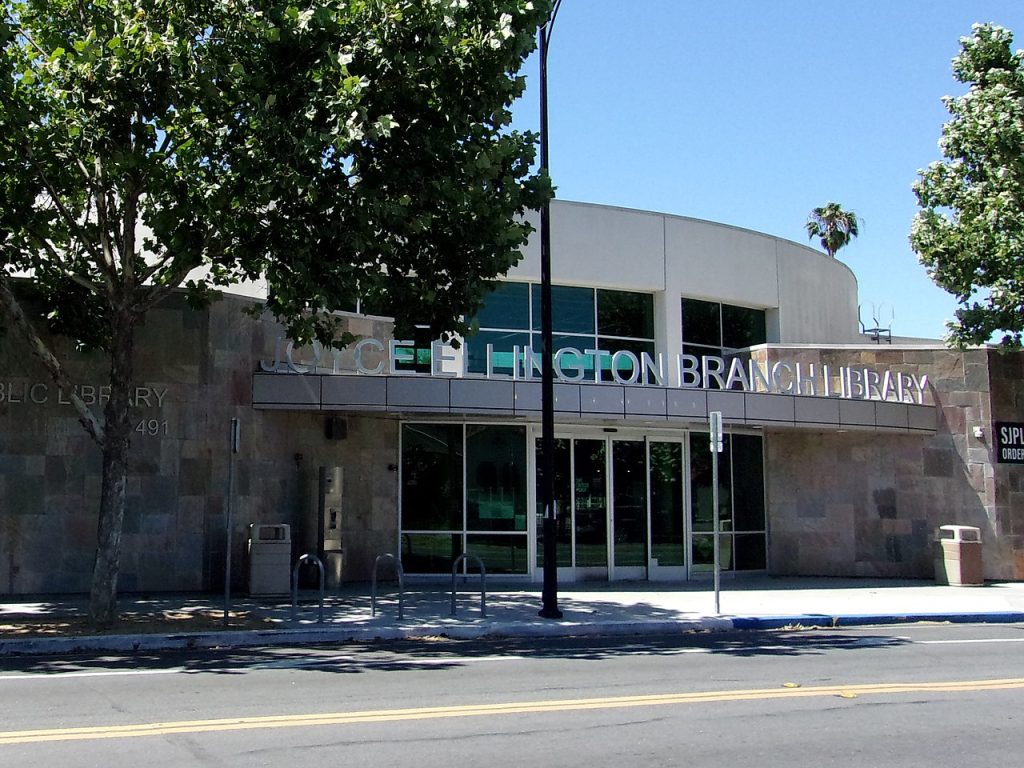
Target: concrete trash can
[(958, 556), (270, 558)]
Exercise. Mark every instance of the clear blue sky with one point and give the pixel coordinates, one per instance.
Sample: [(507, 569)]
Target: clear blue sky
[(753, 112)]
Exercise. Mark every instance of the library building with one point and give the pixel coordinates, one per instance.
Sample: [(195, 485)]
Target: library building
[(845, 448)]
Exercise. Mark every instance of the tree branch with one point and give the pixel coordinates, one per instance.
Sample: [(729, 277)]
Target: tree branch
[(56, 256), (106, 251), (10, 307)]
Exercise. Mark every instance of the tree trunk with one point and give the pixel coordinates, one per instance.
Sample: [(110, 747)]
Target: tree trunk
[(117, 428)]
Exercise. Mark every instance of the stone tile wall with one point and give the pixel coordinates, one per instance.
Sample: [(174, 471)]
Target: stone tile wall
[(868, 504), (194, 370)]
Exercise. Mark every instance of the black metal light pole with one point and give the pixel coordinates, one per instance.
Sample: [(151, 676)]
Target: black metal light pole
[(549, 610)]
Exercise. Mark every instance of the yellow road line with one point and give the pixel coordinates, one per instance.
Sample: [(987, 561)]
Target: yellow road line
[(476, 710)]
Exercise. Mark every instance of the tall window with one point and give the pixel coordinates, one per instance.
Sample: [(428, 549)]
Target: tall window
[(711, 328), (463, 490), (582, 318), (742, 531)]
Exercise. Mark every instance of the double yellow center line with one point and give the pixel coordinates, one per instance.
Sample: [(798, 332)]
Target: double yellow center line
[(477, 710)]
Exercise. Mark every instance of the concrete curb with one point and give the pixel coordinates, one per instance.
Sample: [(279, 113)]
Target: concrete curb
[(327, 634)]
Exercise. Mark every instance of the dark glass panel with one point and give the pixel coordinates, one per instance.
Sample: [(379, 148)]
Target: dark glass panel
[(704, 552), (508, 306), (422, 339), (431, 477), (572, 309), (563, 503), (630, 495), (742, 327), (625, 367), (748, 482), (495, 478), (750, 552), (702, 487), (503, 341), (430, 553), (625, 313), (591, 503), (571, 363), (500, 554), (668, 543), (702, 323)]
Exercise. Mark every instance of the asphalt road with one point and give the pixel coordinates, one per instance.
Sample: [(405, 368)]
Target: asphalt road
[(921, 695)]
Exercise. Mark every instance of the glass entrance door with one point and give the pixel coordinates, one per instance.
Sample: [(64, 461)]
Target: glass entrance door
[(581, 503), (667, 461), (629, 509)]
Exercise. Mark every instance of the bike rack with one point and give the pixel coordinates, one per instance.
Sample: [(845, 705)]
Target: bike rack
[(401, 582), (483, 580), (295, 584)]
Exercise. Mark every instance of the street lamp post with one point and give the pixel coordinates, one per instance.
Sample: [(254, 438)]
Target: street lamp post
[(549, 609)]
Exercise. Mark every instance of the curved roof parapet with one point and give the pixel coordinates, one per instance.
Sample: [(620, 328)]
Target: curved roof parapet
[(808, 296)]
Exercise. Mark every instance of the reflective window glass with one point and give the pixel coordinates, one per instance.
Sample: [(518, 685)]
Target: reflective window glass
[(668, 545), (625, 313), (751, 552), (500, 554), (748, 482), (495, 478), (742, 327), (630, 498), (702, 508), (702, 322), (432, 477), (504, 343), (430, 553), (572, 309), (507, 306)]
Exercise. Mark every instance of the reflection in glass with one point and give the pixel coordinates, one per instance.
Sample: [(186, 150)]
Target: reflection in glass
[(625, 366), (502, 354), (432, 477), (430, 553), (701, 486), (563, 503), (704, 552), (748, 482), (495, 478), (625, 313), (590, 497), (630, 495), (572, 309), (668, 537), (500, 554), (702, 323), (742, 326), (750, 552), (508, 306)]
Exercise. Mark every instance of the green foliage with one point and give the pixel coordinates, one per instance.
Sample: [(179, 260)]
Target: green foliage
[(335, 148), (969, 232), (833, 226)]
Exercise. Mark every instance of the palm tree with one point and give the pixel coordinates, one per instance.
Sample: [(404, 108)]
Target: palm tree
[(833, 225)]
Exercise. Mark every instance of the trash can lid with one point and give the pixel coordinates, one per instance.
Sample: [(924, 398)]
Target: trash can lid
[(959, 532)]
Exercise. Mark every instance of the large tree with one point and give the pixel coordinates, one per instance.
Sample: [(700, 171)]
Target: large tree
[(833, 226), (969, 232), (338, 149)]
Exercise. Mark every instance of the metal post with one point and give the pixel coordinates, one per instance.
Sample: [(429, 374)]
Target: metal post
[(716, 448), (233, 443), (549, 609)]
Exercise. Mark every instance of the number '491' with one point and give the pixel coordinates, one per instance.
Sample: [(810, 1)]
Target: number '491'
[(152, 427)]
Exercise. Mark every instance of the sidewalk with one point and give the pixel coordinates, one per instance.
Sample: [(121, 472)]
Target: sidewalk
[(57, 626)]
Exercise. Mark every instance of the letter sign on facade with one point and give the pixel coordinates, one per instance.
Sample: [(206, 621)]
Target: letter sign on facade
[(1009, 442)]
